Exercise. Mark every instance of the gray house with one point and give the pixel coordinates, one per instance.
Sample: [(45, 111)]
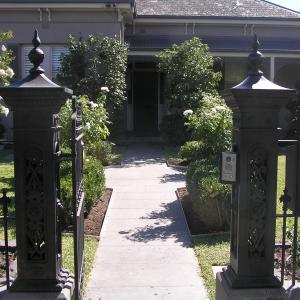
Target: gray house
[(148, 26)]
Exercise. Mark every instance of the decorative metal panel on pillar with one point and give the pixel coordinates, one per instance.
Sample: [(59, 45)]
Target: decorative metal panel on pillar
[(36, 102), (255, 104)]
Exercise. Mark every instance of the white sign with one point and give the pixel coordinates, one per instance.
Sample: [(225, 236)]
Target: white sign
[(228, 167)]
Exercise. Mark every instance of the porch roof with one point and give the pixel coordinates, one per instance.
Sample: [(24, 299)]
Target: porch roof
[(216, 8), (215, 43)]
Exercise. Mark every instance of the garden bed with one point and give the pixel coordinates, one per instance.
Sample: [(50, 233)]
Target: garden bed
[(94, 221), (195, 225)]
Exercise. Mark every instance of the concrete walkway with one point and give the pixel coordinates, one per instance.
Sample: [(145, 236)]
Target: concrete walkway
[(144, 251)]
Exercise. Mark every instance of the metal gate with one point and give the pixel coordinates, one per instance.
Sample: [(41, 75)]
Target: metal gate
[(78, 196), (288, 212)]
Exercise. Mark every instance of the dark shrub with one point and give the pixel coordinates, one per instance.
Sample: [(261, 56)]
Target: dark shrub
[(209, 209), (94, 185), (173, 131)]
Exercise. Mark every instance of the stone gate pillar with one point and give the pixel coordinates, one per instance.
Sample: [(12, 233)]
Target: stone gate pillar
[(255, 104), (35, 102)]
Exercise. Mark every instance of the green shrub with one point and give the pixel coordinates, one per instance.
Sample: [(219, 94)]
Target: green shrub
[(210, 127), (210, 200), (101, 150), (172, 130), (96, 64), (94, 185), (188, 68)]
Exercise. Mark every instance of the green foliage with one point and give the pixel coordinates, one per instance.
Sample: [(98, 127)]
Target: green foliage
[(172, 130), (94, 184), (93, 65), (6, 58), (95, 122), (210, 127), (210, 205), (189, 73), (101, 150)]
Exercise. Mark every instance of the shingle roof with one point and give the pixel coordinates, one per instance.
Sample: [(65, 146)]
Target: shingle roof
[(210, 8)]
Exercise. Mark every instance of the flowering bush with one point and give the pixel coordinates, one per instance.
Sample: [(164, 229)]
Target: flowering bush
[(6, 58), (95, 121), (210, 127)]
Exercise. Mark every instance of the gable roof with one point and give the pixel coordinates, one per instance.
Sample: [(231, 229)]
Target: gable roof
[(216, 8)]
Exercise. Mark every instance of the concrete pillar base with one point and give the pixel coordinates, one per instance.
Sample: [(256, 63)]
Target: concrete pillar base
[(225, 292), (65, 294)]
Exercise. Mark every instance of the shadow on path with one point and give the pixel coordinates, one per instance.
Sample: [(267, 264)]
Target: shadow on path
[(170, 225), (143, 154)]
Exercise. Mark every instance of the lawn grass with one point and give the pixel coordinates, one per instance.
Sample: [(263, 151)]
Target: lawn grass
[(211, 251), (214, 250), (90, 247), (6, 181)]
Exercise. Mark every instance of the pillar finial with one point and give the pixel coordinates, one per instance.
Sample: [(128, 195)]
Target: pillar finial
[(255, 58), (36, 55)]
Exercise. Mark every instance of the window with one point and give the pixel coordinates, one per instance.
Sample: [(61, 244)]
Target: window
[(51, 62)]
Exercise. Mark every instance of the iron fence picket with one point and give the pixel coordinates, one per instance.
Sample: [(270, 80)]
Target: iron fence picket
[(78, 196)]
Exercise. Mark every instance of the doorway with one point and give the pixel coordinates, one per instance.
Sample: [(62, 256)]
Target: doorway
[(145, 103)]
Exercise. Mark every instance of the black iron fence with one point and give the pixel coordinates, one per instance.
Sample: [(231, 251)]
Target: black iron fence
[(288, 214), (6, 247), (76, 157)]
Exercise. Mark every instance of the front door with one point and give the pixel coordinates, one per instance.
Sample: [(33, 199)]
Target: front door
[(145, 101)]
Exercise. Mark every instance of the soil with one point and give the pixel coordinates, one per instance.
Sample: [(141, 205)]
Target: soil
[(195, 226), (94, 220), (288, 271), (177, 162), (183, 196), (92, 226)]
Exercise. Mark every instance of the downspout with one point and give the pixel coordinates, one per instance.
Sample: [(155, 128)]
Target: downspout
[(41, 14)]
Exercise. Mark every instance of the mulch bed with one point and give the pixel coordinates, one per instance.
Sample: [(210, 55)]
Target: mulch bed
[(177, 163), (93, 222)]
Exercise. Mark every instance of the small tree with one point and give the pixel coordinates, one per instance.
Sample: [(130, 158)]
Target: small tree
[(189, 73), (94, 64), (6, 58)]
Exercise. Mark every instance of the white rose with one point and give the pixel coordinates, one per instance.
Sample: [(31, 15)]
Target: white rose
[(187, 112), (3, 48), (2, 73), (105, 89), (220, 107), (9, 72), (5, 111), (88, 125), (93, 104)]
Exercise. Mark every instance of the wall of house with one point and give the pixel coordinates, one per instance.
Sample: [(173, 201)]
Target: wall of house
[(56, 25)]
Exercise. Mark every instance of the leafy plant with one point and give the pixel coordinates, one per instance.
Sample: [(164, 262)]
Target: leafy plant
[(172, 130), (189, 72), (94, 64), (210, 127), (94, 184), (6, 58), (95, 120), (210, 200)]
